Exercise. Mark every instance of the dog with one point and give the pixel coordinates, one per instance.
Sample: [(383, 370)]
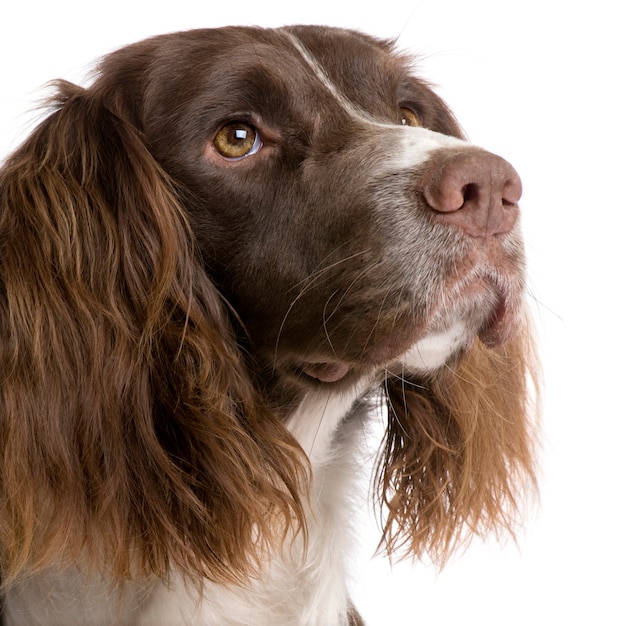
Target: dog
[(217, 262)]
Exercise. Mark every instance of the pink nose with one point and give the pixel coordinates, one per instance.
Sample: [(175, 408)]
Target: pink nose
[(474, 190)]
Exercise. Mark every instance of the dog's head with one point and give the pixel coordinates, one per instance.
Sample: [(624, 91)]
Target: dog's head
[(224, 220)]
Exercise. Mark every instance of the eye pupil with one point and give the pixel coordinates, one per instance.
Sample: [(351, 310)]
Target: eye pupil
[(237, 140)]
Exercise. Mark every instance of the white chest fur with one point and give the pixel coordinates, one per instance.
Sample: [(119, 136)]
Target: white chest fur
[(301, 587)]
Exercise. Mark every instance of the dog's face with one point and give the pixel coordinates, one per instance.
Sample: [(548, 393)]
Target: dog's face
[(302, 155)]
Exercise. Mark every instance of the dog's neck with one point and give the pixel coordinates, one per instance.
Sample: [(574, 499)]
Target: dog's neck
[(316, 420)]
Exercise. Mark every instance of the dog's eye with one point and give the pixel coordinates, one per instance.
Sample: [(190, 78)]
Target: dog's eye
[(237, 140), (409, 117)]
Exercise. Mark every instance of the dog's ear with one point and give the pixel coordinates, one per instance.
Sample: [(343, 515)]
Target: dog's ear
[(130, 428), (459, 450)]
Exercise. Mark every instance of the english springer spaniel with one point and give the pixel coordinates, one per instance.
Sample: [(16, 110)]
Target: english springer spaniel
[(217, 261)]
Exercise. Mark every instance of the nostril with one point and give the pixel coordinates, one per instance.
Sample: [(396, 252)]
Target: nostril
[(470, 193), (512, 190)]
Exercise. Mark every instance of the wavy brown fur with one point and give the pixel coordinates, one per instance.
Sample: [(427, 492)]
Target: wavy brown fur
[(459, 450), (129, 431)]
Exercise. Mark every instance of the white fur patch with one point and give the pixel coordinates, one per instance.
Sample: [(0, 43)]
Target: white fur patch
[(433, 351), (315, 422), (319, 71), (415, 145)]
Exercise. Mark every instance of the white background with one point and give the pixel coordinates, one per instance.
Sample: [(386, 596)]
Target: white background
[(541, 82)]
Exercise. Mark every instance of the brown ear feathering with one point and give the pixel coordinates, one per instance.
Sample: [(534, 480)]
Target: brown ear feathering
[(459, 454), (130, 431)]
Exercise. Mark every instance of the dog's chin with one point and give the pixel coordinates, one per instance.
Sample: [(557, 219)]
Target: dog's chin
[(483, 310), (429, 353)]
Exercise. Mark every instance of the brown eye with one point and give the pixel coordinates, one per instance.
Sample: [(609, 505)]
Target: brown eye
[(409, 117), (237, 140)]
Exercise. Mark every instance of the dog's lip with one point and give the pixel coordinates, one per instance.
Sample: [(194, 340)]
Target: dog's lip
[(326, 371), (495, 319), (500, 322)]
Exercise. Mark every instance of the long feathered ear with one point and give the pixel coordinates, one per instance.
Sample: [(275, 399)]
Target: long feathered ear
[(130, 432), (459, 450)]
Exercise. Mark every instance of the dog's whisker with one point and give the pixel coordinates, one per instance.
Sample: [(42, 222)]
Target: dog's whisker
[(543, 306), (322, 269), (304, 287)]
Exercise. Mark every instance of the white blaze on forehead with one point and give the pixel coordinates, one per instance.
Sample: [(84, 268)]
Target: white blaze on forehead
[(415, 145), (412, 145), (323, 77)]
